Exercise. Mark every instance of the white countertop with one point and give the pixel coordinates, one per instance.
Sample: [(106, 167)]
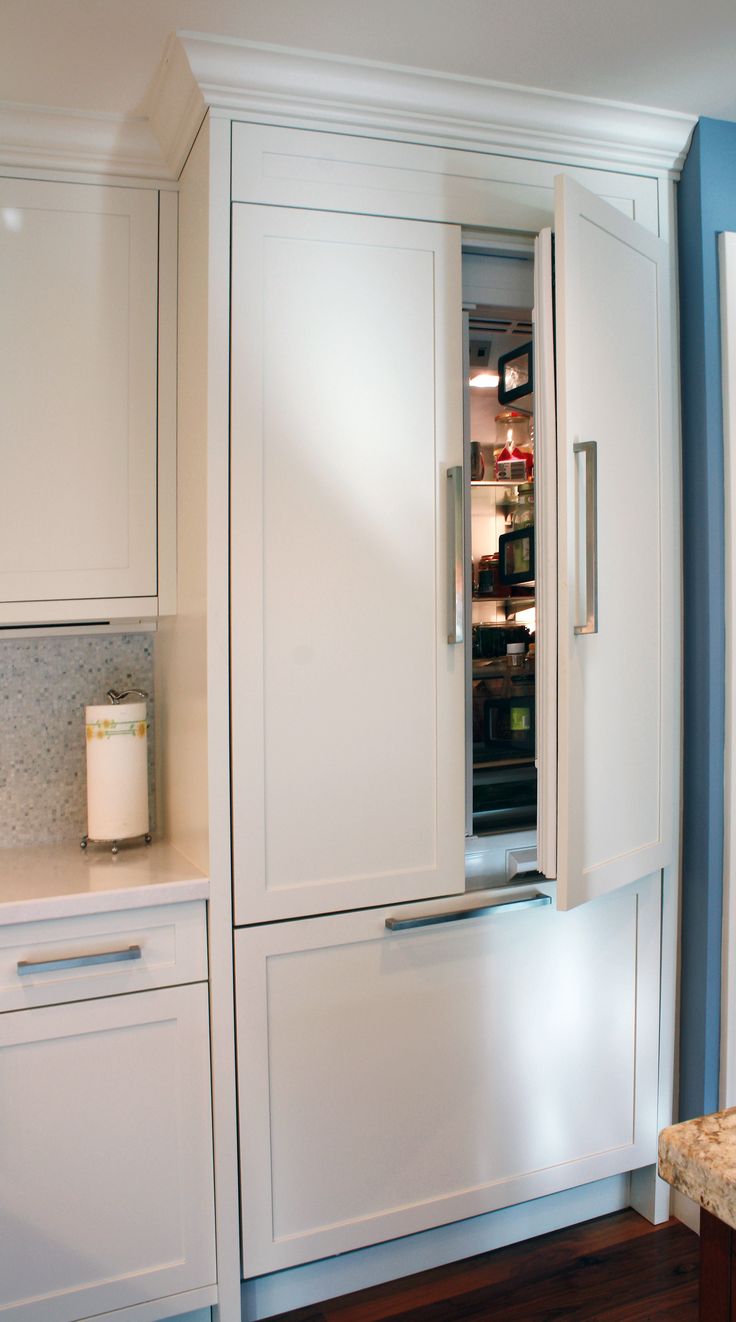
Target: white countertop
[(55, 881)]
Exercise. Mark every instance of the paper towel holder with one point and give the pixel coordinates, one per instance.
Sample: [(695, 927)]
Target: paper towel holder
[(117, 697)]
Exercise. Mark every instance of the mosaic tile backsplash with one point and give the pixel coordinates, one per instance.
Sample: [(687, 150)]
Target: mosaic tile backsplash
[(45, 685)]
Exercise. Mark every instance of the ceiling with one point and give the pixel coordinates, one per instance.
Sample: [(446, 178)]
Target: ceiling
[(102, 55)]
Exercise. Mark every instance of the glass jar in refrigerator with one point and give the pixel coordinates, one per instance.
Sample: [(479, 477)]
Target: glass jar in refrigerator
[(513, 462)]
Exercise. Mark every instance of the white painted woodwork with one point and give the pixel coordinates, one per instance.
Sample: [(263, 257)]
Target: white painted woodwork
[(170, 1310), (203, 413), (347, 701), (49, 139), (172, 938), (94, 614), (309, 88), (390, 1082), (298, 1286), (194, 665), (106, 1155), (616, 688), (546, 554), (727, 274), (180, 656), (338, 172), (78, 269), (166, 467)]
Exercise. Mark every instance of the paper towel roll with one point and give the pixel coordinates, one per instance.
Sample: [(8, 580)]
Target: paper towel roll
[(117, 771)]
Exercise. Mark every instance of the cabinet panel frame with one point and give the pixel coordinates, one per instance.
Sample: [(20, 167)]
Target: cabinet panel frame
[(187, 1007), (84, 594), (343, 172), (262, 1250), (172, 939), (257, 898)]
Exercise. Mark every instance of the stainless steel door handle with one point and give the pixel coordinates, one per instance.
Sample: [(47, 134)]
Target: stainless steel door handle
[(455, 555), (534, 901), (590, 450), (26, 966)]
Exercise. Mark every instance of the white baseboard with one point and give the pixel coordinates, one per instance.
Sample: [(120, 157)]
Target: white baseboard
[(686, 1210), (301, 1286)]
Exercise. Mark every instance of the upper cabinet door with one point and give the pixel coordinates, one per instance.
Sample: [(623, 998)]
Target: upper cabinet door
[(78, 271), (347, 699), (617, 463)]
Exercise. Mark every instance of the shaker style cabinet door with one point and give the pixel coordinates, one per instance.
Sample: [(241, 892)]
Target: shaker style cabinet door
[(617, 461), (78, 271), (392, 1080), (347, 698), (106, 1197)]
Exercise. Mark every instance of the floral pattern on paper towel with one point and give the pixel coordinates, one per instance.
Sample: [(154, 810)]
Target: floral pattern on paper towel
[(105, 729)]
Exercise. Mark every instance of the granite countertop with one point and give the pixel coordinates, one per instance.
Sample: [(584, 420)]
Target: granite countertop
[(56, 881), (698, 1158)]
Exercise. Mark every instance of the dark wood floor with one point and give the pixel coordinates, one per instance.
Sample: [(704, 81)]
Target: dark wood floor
[(618, 1268)]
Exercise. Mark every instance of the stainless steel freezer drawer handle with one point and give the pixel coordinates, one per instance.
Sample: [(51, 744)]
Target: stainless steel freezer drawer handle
[(477, 911), (26, 966)]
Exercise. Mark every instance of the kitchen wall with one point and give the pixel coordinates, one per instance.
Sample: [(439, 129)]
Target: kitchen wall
[(45, 684), (706, 205)]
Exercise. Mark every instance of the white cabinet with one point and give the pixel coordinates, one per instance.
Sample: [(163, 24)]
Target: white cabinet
[(48, 961), (106, 1184), (617, 780), (390, 1081), (79, 270), (348, 707), (347, 693)]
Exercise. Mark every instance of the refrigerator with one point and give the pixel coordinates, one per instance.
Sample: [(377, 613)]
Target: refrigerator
[(447, 838)]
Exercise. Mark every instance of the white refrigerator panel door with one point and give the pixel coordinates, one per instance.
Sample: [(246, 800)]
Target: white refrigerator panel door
[(347, 700), (390, 1080), (618, 651)]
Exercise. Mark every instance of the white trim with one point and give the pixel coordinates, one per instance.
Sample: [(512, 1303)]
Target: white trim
[(727, 264), (315, 1281), (284, 85), (227, 1204), (51, 138), (686, 1211), (176, 106), (168, 240), (82, 610), (287, 85), (162, 1308), (67, 630)]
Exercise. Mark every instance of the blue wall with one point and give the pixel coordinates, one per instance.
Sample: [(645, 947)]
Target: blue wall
[(706, 205)]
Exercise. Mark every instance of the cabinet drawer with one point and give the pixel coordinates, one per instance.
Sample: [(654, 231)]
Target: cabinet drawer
[(441, 1071), (72, 959)]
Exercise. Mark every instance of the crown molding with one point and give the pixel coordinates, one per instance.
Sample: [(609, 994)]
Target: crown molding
[(313, 89), (48, 138), (175, 106), (201, 71)]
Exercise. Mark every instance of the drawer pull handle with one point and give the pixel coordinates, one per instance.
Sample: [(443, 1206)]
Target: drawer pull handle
[(456, 915), (78, 961)]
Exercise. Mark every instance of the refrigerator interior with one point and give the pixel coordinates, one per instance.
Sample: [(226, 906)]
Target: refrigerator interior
[(502, 788)]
